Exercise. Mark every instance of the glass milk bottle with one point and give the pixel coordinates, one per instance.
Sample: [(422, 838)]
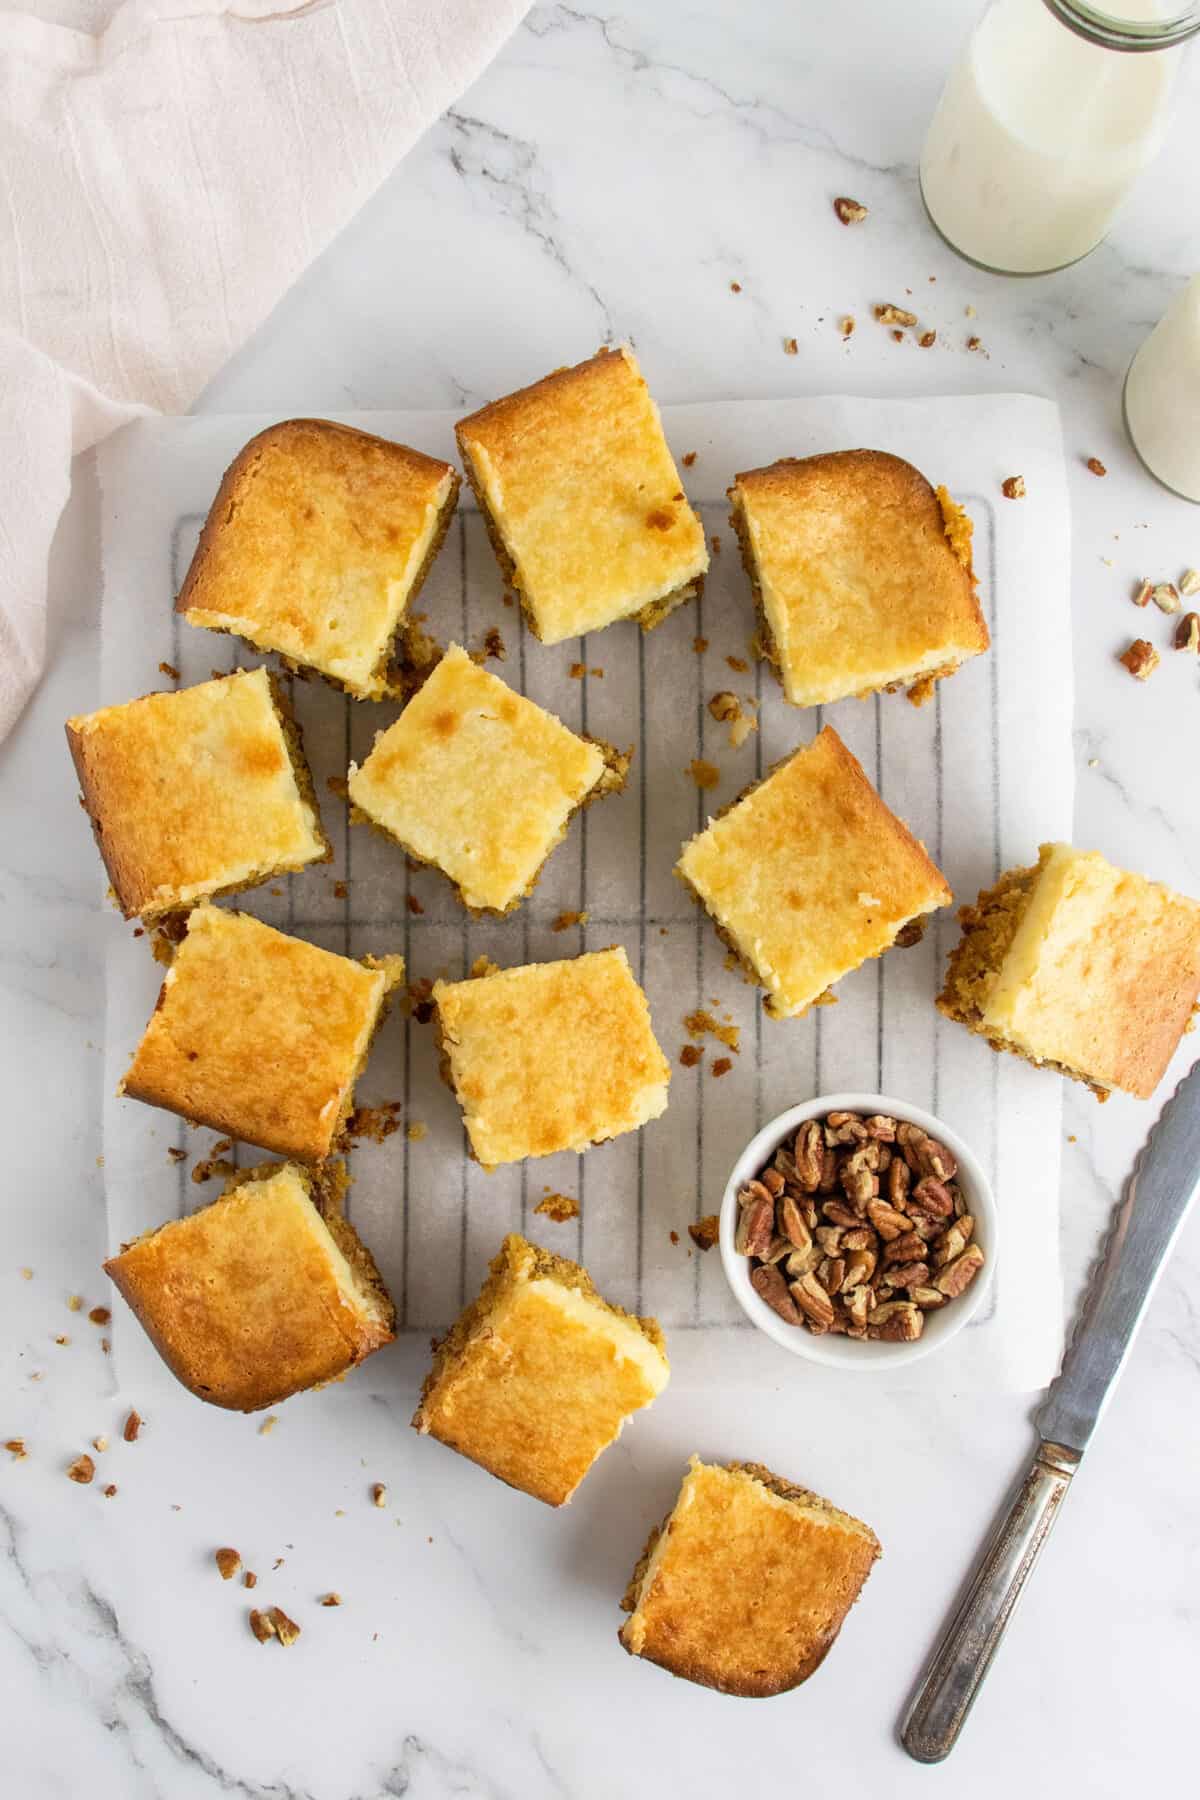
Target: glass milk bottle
[(1162, 396), (1043, 126)]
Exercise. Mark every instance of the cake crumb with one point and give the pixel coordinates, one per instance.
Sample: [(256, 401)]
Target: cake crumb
[(416, 1131), (16, 1448), (62, 1340), (210, 1166), (417, 1000), (268, 1425), (927, 340), (413, 904), (738, 664), (722, 1066), (110, 1490), (716, 543), (482, 966), (735, 287), (790, 347), (249, 1579), (889, 314), (1013, 487), (846, 325), (82, 1470), (565, 920), (100, 1444), (577, 671), (166, 668), (176, 1155), (598, 674), (277, 891), (494, 647), (132, 1427), (974, 343), (697, 1023), (704, 774), (379, 1494), (375, 1124), (74, 1302), (691, 1054), (99, 1315), (340, 891), (689, 459), (262, 1625), (26, 1274), (1096, 466), (337, 784), (699, 645), (331, 1600), (286, 1630), (705, 1232), (559, 1207), (228, 1562), (674, 1236)]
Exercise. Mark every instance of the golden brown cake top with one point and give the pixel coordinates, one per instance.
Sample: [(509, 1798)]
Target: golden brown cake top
[(864, 571), (539, 1374), (476, 779), (313, 545), (251, 1299), (551, 1056), (259, 1034), (579, 481), (1102, 973), (194, 792), (747, 1586), (810, 873)]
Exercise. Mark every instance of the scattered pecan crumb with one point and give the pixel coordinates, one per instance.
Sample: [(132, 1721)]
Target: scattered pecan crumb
[(278, 1563), (133, 1426), (1141, 659), (1187, 633), (897, 336), (166, 668), (850, 212), (577, 671), (268, 1425), (100, 1444), (210, 1166), (26, 1274), (674, 1236), (688, 459), (99, 1315), (705, 1232), (597, 673), (62, 1340), (724, 705), (1096, 466), (110, 1490), (722, 1066), (337, 784), (1142, 592), (888, 314), (565, 920), (735, 287), (74, 1302), (974, 343), (494, 645), (105, 1346), (379, 1494), (418, 999), (16, 1449), (340, 890), (222, 1145), (413, 904), (691, 1054), (1166, 597), (704, 774), (176, 1155), (559, 1207), (249, 1579), (790, 347), (82, 1470), (262, 1625), (374, 1123), (331, 1600), (1189, 582), (228, 1562), (738, 664), (1013, 487), (927, 340), (699, 645), (698, 1022), (416, 1131), (846, 325)]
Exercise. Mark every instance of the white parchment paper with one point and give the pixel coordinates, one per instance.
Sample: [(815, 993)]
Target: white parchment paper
[(983, 774)]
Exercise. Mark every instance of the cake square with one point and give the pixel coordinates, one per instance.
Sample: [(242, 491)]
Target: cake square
[(808, 874), (198, 792), (582, 499), (861, 573), (540, 1373), (259, 1294), (315, 546), (1080, 966), (260, 1035), (747, 1582), (480, 782), (550, 1056)]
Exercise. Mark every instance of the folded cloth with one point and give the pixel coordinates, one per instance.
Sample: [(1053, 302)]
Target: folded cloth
[(166, 173)]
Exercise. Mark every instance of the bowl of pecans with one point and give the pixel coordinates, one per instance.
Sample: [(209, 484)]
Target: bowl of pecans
[(858, 1231)]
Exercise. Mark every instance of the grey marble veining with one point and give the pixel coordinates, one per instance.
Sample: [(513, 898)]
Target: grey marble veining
[(609, 177)]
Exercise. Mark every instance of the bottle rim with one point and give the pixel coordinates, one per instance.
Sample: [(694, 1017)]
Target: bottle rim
[(1114, 32)]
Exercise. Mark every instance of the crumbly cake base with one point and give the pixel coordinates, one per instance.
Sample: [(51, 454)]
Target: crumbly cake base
[(611, 780), (764, 646), (988, 930), (393, 967), (648, 617)]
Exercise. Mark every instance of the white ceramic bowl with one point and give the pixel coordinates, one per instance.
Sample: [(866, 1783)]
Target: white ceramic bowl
[(856, 1353)]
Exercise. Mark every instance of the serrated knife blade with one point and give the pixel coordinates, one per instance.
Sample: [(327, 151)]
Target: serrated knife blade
[(1158, 1194)]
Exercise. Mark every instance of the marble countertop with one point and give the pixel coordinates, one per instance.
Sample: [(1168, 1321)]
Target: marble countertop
[(610, 176)]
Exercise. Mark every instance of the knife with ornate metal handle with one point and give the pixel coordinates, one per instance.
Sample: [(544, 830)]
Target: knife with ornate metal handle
[(1163, 1185)]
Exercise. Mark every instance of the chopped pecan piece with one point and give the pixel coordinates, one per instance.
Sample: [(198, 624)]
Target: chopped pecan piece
[(1141, 659), (889, 314), (850, 212), (933, 1196), (1166, 597), (813, 1302), (82, 1470), (887, 1221), (809, 1153), (228, 1562), (755, 1226), (899, 1321), (959, 1274), (1013, 487), (1187, 633), (791, 1223), (770, 1286)]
